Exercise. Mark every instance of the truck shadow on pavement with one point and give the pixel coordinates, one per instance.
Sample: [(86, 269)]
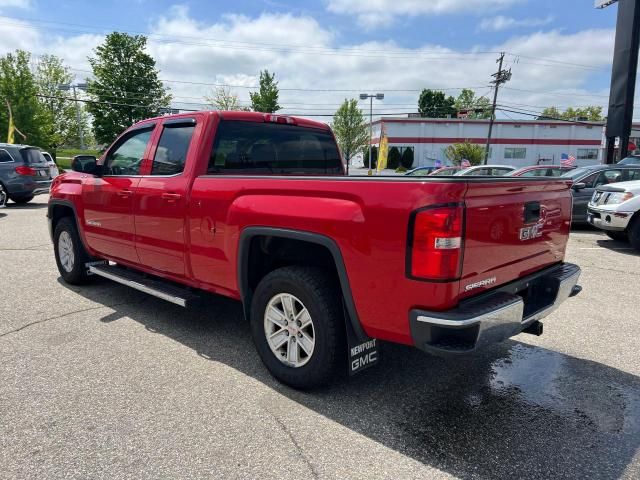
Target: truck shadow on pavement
[(513, 411), (622, 247)]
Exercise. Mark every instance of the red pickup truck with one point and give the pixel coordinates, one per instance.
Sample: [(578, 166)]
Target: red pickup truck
[(257, 207)]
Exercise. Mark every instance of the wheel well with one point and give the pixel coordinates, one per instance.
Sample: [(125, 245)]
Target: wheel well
[(267, 253), (264, 249), (58, 212)]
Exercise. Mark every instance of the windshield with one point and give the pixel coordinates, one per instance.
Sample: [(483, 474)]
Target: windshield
[(420, 172), (630, 161), (31, 156), (577, 173)]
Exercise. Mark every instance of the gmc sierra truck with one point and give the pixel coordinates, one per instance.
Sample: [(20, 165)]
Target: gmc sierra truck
[(258, 208)]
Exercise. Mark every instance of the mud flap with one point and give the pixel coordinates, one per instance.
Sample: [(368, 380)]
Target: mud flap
[(362, 352)]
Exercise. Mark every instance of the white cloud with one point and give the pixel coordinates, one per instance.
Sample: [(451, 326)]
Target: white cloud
[(233, 51), (15, 3), (371, 13), (500, 22)]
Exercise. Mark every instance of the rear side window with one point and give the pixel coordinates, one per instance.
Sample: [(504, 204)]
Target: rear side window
[(273, 148), (32, 155), (171, 153), (5, 157)]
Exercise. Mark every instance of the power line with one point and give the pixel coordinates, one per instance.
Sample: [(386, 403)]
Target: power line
[(264, 46)]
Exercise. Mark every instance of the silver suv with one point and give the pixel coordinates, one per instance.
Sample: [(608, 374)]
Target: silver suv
[(24, 173)]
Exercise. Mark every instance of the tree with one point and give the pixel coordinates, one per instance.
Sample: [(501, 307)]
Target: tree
[(266, 98), (126, 88), (18, 88), (350, 129), (434, 104), (407, 158), (393, 160), (59, 105), (223, 99), (374, 156), (477, 107), (591, 113), (465, 151)]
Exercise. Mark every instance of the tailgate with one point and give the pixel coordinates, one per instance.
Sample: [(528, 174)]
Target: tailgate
[(512, 230)]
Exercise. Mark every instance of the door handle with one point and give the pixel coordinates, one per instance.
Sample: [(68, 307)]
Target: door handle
[(124, 193), (171, 197)]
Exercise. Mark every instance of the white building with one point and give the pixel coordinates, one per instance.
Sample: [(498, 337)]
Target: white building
[(514, 142)]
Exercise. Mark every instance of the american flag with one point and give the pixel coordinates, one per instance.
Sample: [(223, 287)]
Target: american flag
[(567, 160)]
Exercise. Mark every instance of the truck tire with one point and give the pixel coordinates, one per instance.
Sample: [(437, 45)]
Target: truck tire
[(634, 233), (619, 236), (20, 200), (70, 253), (298, 327)]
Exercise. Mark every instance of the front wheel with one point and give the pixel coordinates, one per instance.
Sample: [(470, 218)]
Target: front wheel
[(618, 236), (298, 326), (634, 233), (70, 253)]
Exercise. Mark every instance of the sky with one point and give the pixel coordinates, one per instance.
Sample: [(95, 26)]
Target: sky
[(560, 51)]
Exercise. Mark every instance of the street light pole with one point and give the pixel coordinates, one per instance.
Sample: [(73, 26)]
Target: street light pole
[(79, 86), (377, 96), (80, 134)]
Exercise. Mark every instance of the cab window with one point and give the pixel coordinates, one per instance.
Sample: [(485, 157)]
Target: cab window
[(125, 158), (173, 146), (633, 175)]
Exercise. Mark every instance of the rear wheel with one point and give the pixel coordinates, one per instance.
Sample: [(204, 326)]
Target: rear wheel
[(3, 196), (619, 236), (70, 253), (21, 199), (298, 326)]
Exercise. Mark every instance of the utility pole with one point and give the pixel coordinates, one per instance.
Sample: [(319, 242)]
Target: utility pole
[(501, 76)]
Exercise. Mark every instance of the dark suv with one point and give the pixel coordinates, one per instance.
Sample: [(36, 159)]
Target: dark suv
[(24, 173)]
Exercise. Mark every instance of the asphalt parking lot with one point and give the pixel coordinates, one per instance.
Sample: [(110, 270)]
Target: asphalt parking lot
[(106, 382)]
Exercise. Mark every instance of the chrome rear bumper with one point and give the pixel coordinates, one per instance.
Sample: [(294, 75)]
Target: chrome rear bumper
[(497, 315)]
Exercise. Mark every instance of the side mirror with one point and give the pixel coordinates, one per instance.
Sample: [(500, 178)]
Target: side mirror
[(86, 164), (579, 186)]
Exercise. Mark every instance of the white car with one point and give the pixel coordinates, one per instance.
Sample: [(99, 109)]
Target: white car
[(615, 209), (53, 168), (486, 170)]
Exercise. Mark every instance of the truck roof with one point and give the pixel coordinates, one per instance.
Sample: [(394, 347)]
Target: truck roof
[(244, 116)]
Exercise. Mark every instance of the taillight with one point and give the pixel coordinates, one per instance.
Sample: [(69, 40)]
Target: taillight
[(22, 170), (436, 243)]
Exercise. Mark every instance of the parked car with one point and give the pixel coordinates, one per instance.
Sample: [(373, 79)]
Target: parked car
[(255, 207), (421, 171), (540, 171), (445, 171), (630, 160), (53, 167), (24, 172), (615, 209), (486, 170), (587, 179)]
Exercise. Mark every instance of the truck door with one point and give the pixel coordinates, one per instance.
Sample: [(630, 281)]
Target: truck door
[(160, 206), (108, 199)]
